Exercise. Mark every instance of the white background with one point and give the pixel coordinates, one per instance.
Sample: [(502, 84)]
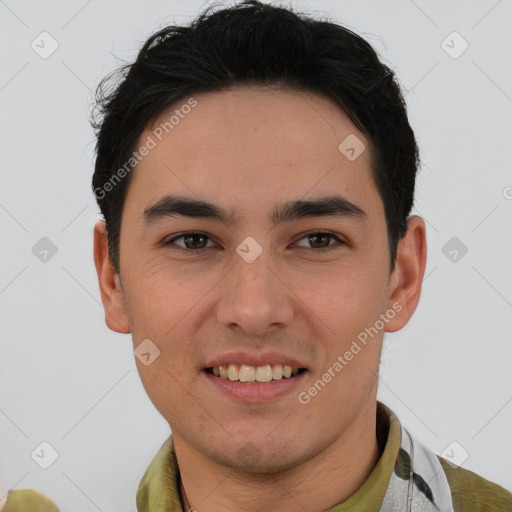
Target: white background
[(68, 380)]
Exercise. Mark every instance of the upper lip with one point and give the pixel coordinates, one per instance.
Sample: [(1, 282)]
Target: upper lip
[(269, 357)]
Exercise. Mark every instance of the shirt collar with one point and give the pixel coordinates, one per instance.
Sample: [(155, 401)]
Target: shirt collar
[(158, 490)]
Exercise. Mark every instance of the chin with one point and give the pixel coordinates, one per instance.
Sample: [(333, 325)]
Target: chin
[(260, 457)]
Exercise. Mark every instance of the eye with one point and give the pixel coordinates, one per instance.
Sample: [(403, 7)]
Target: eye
[(195, 241), (320, 240), (192, 240)]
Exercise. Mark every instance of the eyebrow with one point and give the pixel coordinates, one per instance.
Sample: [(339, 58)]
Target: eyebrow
[(171, 206)]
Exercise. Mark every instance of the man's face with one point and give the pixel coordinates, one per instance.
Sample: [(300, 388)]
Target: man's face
[(249, 151)]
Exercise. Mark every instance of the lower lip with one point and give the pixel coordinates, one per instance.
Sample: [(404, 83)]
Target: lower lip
[(256, 393)]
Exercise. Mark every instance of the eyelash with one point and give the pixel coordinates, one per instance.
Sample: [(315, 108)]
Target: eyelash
[(200, 250)]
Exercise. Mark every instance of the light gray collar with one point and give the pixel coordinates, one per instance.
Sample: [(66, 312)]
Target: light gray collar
[(418, 482)]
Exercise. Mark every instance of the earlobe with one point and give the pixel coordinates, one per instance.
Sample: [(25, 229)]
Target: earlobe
[(109, 282), (406, 280)]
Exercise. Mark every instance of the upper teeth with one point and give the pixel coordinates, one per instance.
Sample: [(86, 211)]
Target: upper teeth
[(247, 373)]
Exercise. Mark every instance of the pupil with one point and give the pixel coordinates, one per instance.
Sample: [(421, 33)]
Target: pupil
[(314, 238), (191, 238)]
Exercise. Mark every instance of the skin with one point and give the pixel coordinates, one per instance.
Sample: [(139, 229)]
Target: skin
[(248, 149)]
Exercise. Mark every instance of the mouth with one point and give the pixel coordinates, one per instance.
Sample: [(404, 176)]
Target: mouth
[(261, 384), (258, 375)]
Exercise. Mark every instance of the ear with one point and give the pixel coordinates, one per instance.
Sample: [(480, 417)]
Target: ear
[(110, 284), (407, 277)]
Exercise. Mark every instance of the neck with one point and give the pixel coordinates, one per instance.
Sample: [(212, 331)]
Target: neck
[(327, 479)]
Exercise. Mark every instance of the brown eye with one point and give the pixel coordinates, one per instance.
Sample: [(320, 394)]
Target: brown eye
[(195, 241), (320, 240), (191, 241)]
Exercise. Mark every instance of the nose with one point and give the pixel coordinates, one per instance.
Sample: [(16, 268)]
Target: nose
[(254, 297)]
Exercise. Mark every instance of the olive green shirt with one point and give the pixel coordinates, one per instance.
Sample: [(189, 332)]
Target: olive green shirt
[(159, 488)]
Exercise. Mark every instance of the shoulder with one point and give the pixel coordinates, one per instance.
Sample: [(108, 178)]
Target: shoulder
[(28, 500), (473, 493)]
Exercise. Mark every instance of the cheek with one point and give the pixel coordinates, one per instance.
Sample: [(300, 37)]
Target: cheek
[(163, 307), (165, 384), (347, 299), (159, 298)]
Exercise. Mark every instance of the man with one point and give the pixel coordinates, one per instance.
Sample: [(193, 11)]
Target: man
[(256, 174)]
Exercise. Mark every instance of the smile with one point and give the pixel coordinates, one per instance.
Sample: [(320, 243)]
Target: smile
[(254, 374)]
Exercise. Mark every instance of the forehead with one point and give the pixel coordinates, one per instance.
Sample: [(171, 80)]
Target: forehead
[(255, 144), (255, 115)]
